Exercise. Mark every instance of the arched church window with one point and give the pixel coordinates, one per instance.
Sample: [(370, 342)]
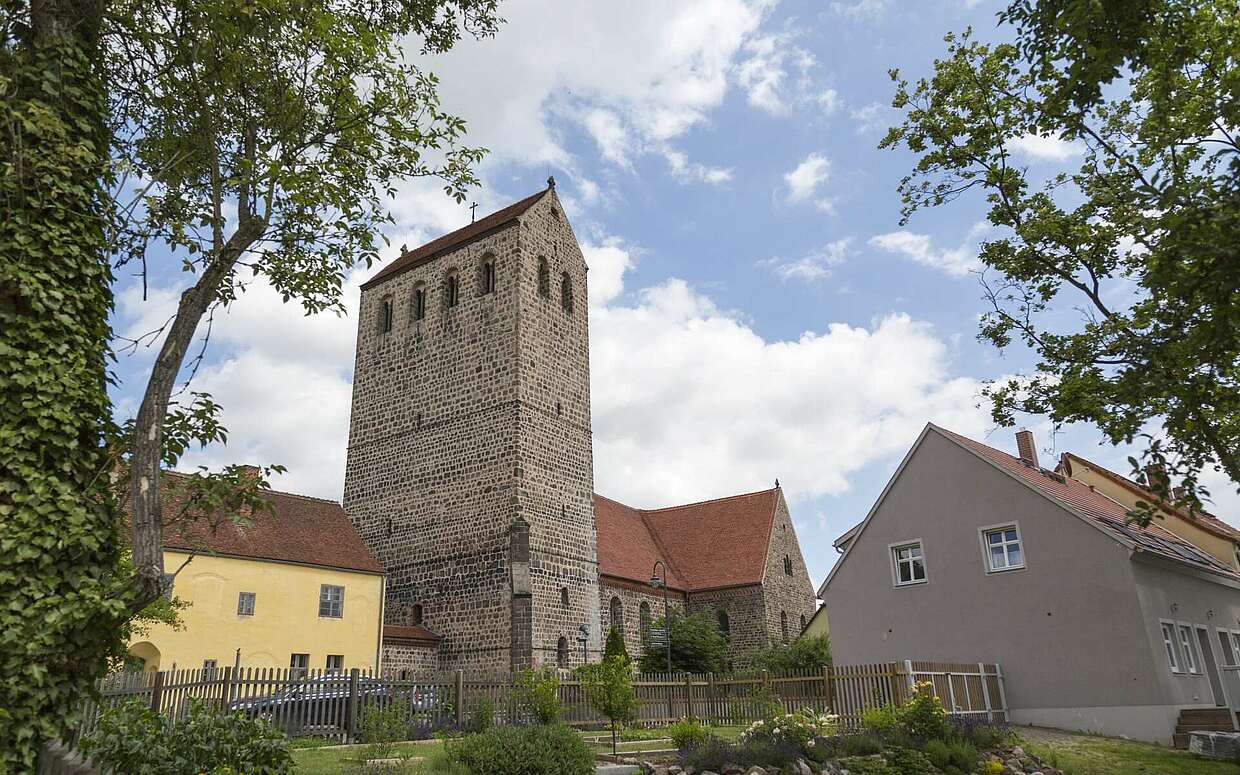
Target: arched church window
[(561, 652), (419, 303), (451, 290), (544, 278), (385, 315), (643, 620), (617, 615), (486, 276), (783, 625), (564, 596), (725, 625), (415, 614), (566, 292), (787, 565), (802, 622)]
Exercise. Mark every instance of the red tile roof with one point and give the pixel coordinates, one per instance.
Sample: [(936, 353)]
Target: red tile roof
[(1205, 520), (297, 528), (436, 247), (1106, 513), (415, 633), (716, 543)]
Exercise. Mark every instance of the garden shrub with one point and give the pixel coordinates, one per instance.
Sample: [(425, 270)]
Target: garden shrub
[(715, 753), (979, 732), (614, 647), (382, 726), (804, 653), (938, 753), (799, 729), (131, 738), (881, 720), (687, 732), (482, 715), (536, 695), (992, 767), (858, 745), (906, 761), (922, 716), (962, 754), (551, 749)]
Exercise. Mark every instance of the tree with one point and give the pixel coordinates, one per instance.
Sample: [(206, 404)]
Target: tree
[(243, 138), (697, 646), (1141, 238), (804, 653), (614, 647), (608, 687)]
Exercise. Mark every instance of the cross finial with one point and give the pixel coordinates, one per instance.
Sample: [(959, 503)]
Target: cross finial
[(473, 211), (776, 483), (551, 181)]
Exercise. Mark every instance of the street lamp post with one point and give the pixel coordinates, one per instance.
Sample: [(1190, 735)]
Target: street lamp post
[(658, 581)]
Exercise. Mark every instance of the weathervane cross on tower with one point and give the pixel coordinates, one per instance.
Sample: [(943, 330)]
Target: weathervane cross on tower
[(473, 211)]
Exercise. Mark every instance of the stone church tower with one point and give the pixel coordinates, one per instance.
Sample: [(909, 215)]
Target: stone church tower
[(470, 464)]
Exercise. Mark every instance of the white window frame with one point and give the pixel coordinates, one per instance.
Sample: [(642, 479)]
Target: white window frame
[(253, 604), (338, 668), (1231, 652), (893, 549), (1191, 654), (324, 598), (1171, 646), (983, 532)]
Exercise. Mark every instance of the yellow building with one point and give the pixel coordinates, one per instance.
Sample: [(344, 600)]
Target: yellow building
[(296, 588), (1205, 531)]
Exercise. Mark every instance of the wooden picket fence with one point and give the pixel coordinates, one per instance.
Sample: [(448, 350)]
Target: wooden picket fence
[(331, 705)]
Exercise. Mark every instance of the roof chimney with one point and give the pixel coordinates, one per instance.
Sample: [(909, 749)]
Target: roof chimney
[(1156, 479), (1025, 447)]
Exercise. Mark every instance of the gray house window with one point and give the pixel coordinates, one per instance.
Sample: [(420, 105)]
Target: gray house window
[(245, 604), (1169, 643), (331, 601), (908, 563), (1003, 548)]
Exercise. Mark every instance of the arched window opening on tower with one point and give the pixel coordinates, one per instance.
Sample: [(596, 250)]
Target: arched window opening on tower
[(564, 596), (617, 615), (561, 652), (419, 302), (385, 315), (725, 626), (451, 290), (544, 278), (643, 621), (566, 292), (415, 614), (802, 622), (787, 565), (783, 625), (486, 276)]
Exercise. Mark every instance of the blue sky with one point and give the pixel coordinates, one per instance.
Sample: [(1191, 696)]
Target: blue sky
[(757, 311)]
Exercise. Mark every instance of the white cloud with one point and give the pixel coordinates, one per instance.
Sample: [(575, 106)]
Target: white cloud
[(1044, 148), (830, 101), (610, 134), (873, 117), (861, 9), (685, 170), (959, 261), (804, 180), (766, 75), (813, 266)]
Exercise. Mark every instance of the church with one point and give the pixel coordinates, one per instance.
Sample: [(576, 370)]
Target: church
[(470, 473)]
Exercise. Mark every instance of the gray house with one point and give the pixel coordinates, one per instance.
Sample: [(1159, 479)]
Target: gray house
[(971, 553)]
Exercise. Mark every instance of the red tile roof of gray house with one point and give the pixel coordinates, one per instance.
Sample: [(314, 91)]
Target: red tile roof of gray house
[(455, 239), (1107, 514), (706, 545), (1203, 519), (297, 528)]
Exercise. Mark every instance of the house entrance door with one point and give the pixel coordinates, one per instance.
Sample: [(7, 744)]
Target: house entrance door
[(1211, 666)]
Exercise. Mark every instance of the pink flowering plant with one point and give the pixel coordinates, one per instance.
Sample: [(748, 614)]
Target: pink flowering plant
[(800, 728)]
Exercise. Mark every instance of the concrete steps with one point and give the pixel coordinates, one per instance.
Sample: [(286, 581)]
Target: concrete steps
[(1200, 720)]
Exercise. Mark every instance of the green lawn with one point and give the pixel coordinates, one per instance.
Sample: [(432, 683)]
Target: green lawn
[(336, 760), (1089, 755), (638, 740)]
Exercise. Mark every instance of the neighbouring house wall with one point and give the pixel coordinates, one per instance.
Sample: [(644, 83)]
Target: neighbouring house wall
[(1068, 631), (1223, 549), (412, 661), (818, 625), (1173, 595), (286, 617)]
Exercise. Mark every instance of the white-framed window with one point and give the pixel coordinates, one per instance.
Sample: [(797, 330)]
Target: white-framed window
[(245, 604), (331, 601), (1002, 547), (908, 563), (1235, 647), (1189, 650), (208, 669), (299, 664), (1171, 646), (335, 663)]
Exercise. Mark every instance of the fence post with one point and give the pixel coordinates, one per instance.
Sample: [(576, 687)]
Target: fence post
[(669, 686), (1007, 714), (689, 694), (351, 710), (226, 688), (981, 674), (157, 692), (712, 701), (910, 682), (828, 689), (458, 694)]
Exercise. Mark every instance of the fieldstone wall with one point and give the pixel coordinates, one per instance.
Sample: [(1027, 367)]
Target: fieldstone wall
[(745, 607), (468, 419), (408, 661), (789, 597), (631, 596)]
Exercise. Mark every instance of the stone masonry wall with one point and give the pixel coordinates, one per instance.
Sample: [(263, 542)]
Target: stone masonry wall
[(406, 661), (631, 599), (746, 610), (787, 596)]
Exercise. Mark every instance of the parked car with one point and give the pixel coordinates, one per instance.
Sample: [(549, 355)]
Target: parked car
[(316, 702)]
